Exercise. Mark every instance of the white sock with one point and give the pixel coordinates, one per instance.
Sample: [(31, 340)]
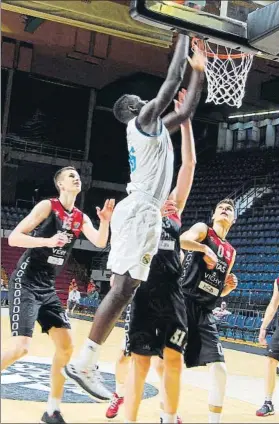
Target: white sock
[(120, 389), (53, 404), (214, 417), (89, 354), (161, 414), (268, 398), (169, 418)]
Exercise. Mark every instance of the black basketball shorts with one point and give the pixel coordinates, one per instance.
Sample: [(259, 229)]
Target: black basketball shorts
[(26, 306), (156, 319), (204, 346), (273, 347)]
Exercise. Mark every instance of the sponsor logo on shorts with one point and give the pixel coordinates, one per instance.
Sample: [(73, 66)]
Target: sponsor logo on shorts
[(30, 381), (146, 259)]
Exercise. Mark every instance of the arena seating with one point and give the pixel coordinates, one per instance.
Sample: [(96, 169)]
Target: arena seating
[(11, 216), (244, 325), (219, 177)]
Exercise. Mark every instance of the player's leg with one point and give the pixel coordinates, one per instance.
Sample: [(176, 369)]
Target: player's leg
[(142, 342), (63, 352), (212, 354), (83, 369), (138, 371), (19, 347), (270, 375), (175, 341), (158, 364), (171, 384), (55, 322), (218, 380), (23, 310), (121, 372)]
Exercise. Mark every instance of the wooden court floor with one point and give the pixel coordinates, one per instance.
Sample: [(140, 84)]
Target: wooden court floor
[(27, 381)]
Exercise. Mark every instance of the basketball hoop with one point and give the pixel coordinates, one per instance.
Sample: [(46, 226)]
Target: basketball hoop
[(226, 72)]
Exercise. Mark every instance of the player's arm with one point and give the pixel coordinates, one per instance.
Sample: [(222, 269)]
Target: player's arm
[(99, 237), (150, 113), (192, 240), (19, 236), (186, 172), (190, 103)]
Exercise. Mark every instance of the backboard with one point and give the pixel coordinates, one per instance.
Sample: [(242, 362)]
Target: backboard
[(219, 21)]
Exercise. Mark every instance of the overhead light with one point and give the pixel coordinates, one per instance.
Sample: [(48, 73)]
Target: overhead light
[(268, 112)]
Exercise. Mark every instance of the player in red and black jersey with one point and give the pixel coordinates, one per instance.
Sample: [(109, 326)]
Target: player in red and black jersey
[(207, 276), (272, 352), (55, 224)]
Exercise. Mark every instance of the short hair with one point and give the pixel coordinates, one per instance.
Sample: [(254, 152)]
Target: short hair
[(58, 174), (227, 201), (121, 110)]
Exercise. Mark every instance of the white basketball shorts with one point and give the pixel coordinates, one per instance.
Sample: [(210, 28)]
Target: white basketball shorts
[(136, 227)]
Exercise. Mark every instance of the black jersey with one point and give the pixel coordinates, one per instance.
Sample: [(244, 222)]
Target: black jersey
[(198, 282), (41, 265), (166, 264)]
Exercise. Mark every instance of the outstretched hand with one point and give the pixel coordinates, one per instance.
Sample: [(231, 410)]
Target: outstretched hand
[(106, 213), (198, 61), (169, 208)]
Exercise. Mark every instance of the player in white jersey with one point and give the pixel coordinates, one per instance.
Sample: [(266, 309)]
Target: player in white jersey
[(136, 224)]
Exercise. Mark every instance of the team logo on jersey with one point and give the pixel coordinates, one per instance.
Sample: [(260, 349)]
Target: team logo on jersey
[(30, 381), (76, 225), (146, 259), (67, 222), (228, 254)]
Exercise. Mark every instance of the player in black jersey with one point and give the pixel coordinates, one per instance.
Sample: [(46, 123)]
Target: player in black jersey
[(156, 324), (272, 352), (207, 276), (55, 225)]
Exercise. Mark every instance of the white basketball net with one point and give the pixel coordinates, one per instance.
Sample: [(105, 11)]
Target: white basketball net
[(226, 75)]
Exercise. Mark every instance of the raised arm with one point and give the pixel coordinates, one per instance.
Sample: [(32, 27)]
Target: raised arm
[(99, 237), (190, 103), (188, 156), (19, 236), (150, 113)]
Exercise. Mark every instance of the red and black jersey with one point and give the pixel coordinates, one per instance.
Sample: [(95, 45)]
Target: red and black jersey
[(199, 283), (43, 264), (166, 264)]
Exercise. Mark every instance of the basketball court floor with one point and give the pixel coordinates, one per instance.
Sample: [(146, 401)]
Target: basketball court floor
[(25, 385)]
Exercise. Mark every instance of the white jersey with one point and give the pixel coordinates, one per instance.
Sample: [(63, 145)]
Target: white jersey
[(151, 162)]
